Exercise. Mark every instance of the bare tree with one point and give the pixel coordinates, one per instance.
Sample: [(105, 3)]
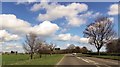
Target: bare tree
[(52, 47), (29, 44), (43, 48), (100, 32), (71, 46), (39, 46)]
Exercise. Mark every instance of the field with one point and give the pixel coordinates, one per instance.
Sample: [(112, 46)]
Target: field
[(13, 59)]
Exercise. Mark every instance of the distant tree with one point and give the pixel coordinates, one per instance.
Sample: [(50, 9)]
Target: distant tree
[(39, 46), (77, 49), (16, 52), (12, 52), (113, 46), (30, 44), (71, 46), (52, 47), (118, 46), (100, 32), (84, 50)]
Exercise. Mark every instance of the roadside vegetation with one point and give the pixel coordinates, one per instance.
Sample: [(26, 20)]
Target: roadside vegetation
[(20, 59)]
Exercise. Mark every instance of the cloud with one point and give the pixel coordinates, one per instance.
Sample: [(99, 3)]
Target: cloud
[(25, 1), (113, 9), (84, 40), (69, 37), (111, 19), (64, 46), (67, 45), (90, 14), (55, 11), (64, 37), (63, 30), (12, 23), (5, 36), (12, 47), (45, 28)]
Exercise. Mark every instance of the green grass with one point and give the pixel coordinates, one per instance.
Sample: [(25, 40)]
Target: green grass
[(24, 60), (0, 59), (12, 58)]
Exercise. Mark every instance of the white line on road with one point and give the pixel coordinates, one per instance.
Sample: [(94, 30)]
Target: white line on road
[(83, 59), (108, 61), (91, 61), (60, 60)]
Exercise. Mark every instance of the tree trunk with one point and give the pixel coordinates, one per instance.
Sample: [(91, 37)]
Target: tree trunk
[(40, 55), (98, 51), (31, 56)]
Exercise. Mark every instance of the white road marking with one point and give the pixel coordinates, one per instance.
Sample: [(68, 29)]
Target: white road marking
[(108, 61), (91, 61), (60, 60)]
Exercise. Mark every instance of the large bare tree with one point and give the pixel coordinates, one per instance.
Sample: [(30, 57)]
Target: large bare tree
[(30, 44), (100, 32)]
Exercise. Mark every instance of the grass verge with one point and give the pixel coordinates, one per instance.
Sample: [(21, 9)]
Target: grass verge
[(24, 60)]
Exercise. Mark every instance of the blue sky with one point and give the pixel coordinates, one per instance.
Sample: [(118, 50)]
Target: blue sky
[(64, 24)]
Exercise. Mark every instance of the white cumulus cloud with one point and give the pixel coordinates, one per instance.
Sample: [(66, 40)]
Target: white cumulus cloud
[(64, 37), (55, 11), (113, 9), (69, 37), (12, 23), (45, 28), (7, 47), (5, 36)]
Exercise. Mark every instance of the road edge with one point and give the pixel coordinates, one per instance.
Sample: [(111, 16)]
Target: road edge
[(61, 60)]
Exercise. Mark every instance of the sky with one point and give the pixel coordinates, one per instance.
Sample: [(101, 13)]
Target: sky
[(61, 23)]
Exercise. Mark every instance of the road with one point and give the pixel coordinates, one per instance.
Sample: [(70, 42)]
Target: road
[(70, 60)]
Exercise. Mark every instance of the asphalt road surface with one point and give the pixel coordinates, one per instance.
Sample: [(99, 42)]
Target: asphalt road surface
[(70, 60)]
